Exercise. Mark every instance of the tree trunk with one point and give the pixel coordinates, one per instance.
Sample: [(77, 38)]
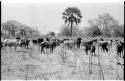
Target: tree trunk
[(9, 33), (71, 28), (14, 33), (5, 33), (22, 33)]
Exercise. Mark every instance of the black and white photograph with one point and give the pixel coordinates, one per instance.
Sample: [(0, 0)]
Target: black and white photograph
[(62, 40)]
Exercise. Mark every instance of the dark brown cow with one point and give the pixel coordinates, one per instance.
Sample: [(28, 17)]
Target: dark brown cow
[(48, 45), (90, 46), (120, 48)]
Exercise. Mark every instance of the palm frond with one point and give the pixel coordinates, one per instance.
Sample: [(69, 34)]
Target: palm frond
[(64, 17), (68, 23), (64, 13), (78, 20)]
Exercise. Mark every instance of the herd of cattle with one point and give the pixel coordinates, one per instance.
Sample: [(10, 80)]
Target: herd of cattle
[(51, 43)]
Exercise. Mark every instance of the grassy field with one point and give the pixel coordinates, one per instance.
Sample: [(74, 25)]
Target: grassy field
[(62, 64)]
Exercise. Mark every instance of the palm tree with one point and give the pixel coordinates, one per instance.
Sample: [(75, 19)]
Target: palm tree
[(72, 15)]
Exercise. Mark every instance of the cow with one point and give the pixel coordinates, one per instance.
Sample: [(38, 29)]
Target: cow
[(40, 40), (78, 42), (120, 48), (69, 43), (48, 45), (89, 46), (105, 45), (24, 43), (34, 41), (10, 43), (58, 41), (2, 43)]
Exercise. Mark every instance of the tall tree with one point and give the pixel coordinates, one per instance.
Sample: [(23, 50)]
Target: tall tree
[(105, 22), (72, 15)]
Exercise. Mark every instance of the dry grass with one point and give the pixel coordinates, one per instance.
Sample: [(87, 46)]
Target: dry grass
[(63, 64)]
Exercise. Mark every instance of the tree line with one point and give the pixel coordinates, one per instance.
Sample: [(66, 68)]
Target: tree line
[(103, 25)]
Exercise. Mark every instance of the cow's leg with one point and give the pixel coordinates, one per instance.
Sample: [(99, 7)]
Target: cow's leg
[(68, 47), (25, 46), (15, 46), (94, 50), (103, 49), (120, 54), (10, 46), (91, 51), (86, 50), (21, 45), (42, 50), (106, 49), (52, 49), (94, 53), (78, 46)]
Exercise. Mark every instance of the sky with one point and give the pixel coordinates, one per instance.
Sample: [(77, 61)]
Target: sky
[(48, 16)]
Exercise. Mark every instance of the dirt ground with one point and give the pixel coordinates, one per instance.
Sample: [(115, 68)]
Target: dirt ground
[(62, 64)]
